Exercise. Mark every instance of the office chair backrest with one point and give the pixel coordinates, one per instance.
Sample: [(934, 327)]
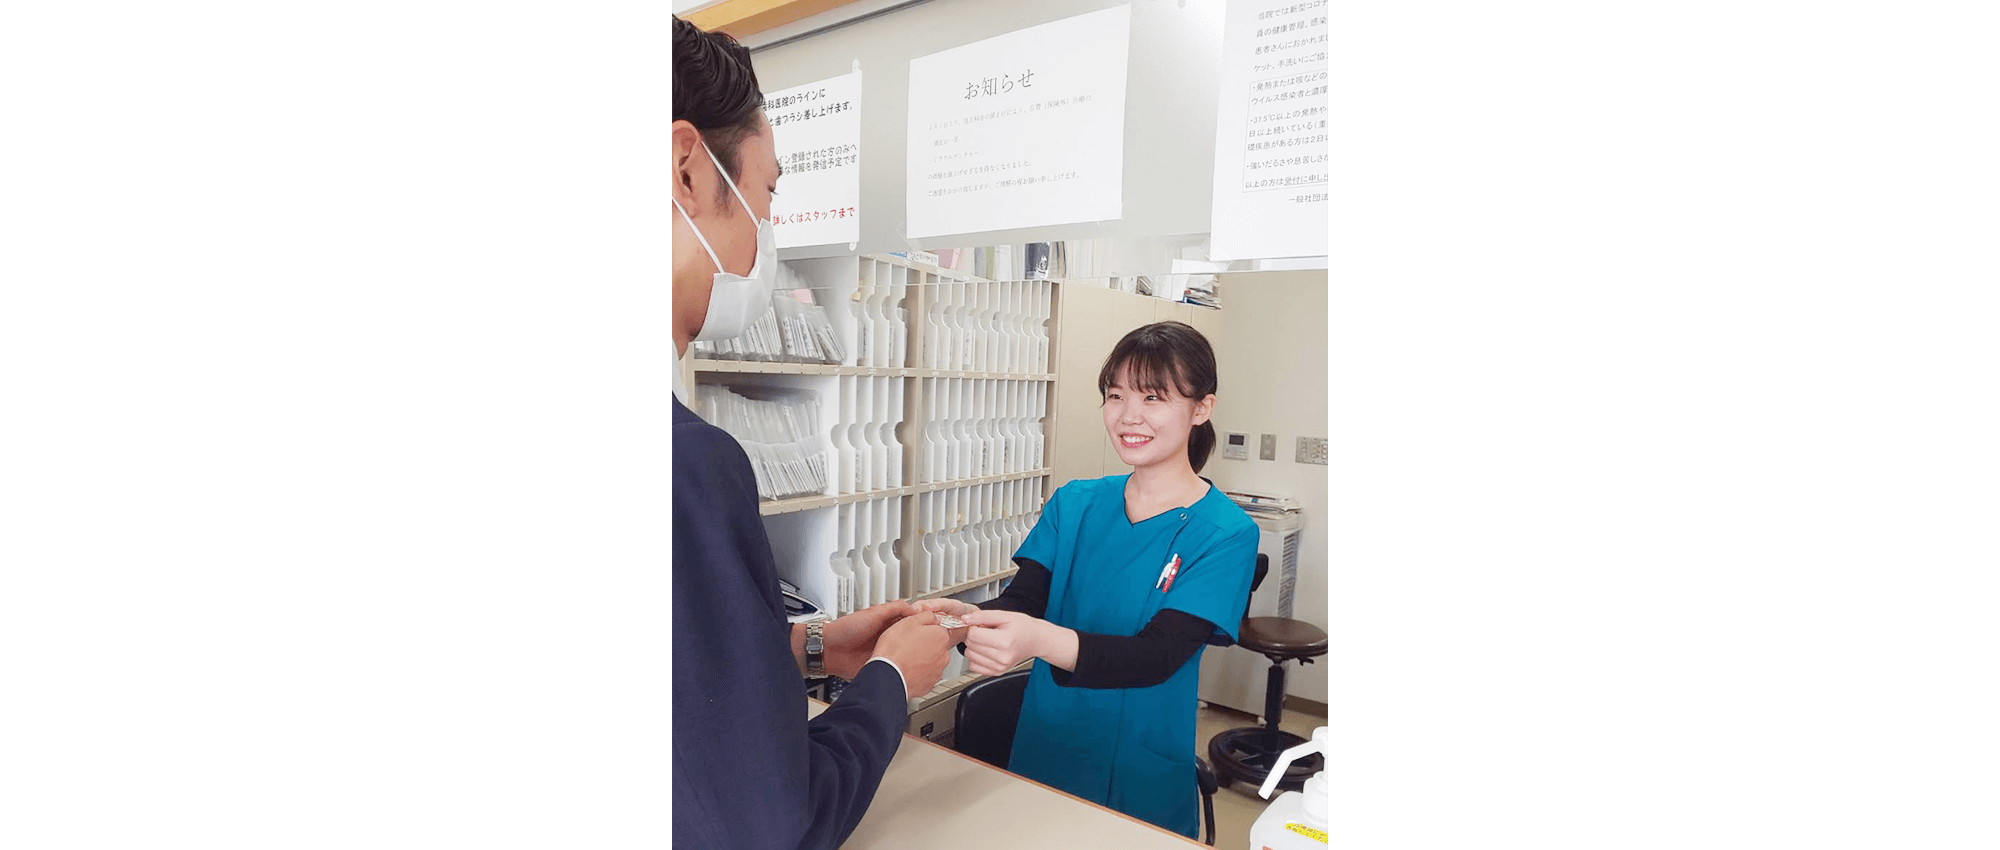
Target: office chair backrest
[(987, 712)]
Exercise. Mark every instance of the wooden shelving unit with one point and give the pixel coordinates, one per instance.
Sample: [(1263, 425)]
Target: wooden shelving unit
[(807, 503), (759, 367), (920, 296), (954, 590)]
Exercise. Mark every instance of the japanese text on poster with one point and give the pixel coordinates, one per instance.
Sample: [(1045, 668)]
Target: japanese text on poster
[(1271, 132), (1020, 130), (816, 129)]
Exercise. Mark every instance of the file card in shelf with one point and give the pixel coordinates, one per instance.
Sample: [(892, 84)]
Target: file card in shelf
[(881, 319), (762, 340), (968, 533), (987, 326), (778, 429), (973, 428), (868, 450), (877, 571), (794, 329)]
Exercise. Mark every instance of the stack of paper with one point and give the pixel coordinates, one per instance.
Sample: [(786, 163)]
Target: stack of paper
[(1203, 291), (1263, 504)]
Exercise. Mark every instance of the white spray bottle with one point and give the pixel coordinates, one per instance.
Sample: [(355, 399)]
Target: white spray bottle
[(1295, 821)]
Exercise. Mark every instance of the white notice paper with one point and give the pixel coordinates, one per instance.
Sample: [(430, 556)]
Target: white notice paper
[(1020, 130), (1271, 134), (816, 129)]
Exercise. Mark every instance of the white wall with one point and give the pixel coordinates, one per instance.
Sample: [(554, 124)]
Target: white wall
[(1171, 88), (1271, 356)]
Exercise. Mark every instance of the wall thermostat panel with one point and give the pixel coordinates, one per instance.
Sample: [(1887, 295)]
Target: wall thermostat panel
[(1235, 446)]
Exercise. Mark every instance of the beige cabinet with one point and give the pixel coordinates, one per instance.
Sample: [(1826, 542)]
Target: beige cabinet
[(1093, 319)]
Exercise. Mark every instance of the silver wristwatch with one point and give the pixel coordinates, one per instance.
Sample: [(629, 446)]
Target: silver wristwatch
[(816, 649)]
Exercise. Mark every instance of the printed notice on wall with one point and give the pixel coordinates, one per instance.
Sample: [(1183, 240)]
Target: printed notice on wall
[(1271, 132), (1021, 130), (816, 129)]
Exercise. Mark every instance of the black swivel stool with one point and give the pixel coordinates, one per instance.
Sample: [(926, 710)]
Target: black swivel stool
[(1246, 754)]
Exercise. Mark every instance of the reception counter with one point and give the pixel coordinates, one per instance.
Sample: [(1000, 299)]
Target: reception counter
[(932, 794)]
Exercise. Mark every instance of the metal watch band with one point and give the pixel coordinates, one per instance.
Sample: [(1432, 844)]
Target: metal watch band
[(816, 648)]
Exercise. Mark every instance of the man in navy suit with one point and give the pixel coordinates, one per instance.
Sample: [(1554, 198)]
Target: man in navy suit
[(749, 770)]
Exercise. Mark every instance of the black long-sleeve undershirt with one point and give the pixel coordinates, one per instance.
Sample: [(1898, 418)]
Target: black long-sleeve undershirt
[(1109, 661)]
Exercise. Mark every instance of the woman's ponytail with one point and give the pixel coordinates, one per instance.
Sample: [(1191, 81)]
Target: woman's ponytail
[(1201, 441)]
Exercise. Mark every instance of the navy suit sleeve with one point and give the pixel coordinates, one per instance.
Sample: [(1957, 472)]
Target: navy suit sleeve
[(749, 770)]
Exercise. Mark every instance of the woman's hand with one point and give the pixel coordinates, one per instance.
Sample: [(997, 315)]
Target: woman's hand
[(949, 607), (1001, 639)]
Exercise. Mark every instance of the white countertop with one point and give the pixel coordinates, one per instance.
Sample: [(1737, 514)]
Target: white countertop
[(933, 794)]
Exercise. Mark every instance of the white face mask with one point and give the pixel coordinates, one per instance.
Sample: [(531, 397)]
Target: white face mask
[(735, 301)]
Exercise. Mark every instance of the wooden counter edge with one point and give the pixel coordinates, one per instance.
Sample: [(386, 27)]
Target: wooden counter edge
[(1110, 811)]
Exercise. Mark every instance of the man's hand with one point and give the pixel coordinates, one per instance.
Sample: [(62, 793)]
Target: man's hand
[(919, 646), (850, 640), (1001, 639), (952, 607)]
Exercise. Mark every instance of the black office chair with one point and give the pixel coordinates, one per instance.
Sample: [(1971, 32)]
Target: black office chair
[(1246, 754), (989, 709), (1204, 776)]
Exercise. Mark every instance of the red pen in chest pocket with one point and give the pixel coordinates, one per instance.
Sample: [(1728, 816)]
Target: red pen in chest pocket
[(1166, 582)]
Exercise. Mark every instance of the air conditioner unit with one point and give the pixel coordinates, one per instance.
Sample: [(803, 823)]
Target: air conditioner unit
[(1234, 677)]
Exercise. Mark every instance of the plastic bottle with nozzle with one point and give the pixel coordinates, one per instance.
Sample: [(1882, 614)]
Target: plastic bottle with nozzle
[(1297, 819)]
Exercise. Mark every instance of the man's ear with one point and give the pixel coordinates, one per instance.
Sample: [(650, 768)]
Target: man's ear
[(686, 147)]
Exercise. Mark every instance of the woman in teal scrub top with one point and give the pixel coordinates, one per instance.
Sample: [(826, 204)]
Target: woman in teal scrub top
[(1122, 582)]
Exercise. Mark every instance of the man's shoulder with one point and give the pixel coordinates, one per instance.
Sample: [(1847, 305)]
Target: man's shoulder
[(684, 416), (695, 435), (689, 427)]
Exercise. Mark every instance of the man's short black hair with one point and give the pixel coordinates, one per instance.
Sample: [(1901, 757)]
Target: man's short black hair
[(716, 90)]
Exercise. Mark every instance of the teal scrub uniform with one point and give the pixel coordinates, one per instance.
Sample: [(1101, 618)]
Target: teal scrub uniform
[(1129, 749)]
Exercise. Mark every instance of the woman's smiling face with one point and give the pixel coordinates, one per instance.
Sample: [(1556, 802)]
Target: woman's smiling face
[(1148, 426)]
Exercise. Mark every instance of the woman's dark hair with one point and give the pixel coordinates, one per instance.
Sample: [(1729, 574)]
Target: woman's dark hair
[(715, 89), (1163, 356)]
